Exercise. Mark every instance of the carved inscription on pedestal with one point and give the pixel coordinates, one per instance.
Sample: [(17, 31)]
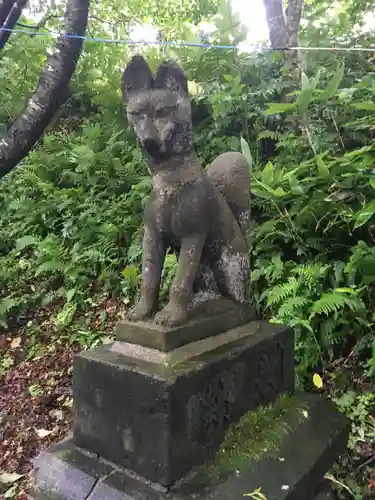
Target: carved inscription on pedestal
[(268, 377), (210, 410), (258, 379)]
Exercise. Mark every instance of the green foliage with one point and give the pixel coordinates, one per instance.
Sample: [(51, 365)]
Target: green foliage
[(312, 259), (358, 407), (71, 216)]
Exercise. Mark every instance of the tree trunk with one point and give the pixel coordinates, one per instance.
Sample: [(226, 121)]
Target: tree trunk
[(49, 92), (293, 19), (283, 26), (11, 21)]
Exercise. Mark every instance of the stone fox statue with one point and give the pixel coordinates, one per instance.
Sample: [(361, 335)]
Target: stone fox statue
[(201, 214)]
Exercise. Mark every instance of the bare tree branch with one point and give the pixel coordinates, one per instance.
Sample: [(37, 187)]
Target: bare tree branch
[(49, 92), (5, 8), (11, 21)]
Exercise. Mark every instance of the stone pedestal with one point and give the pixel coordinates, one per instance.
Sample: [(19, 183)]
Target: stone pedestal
[(160, 414), (148, 420)]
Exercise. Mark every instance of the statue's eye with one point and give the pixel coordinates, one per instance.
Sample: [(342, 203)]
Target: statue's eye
[(134, 113)]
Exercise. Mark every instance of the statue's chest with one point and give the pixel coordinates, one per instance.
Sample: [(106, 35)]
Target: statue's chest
[(176, 210)]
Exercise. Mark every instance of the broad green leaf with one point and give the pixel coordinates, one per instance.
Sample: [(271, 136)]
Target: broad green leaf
[(315, 80), (25, 241), (346, 290), (277, 193), (364, 215), (247, 153), (280, 107), (322, 166), (334, 83), (365, 105), (267, 173), (261, 193), (304, 100), (131, 274), (305, 83)]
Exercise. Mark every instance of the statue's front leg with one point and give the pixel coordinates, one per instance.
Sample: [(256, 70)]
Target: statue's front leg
[(152, 267), (181, 291)]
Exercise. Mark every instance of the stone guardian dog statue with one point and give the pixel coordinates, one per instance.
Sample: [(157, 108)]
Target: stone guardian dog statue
[(201, 214)]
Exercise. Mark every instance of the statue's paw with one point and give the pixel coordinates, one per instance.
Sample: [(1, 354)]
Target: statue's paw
[(139, 312), (171, 315)]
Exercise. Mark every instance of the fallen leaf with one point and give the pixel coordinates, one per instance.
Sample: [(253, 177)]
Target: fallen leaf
[(11, 492), (15, 343), (9, 477), (58, 414), (285, 487), (42, 433), (256, 494), (317, 380)]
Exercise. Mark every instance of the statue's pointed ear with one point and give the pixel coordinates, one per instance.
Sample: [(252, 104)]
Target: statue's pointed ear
[(170, 76), (137, 76)]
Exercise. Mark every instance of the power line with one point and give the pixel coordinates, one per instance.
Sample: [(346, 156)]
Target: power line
[(53, 34)]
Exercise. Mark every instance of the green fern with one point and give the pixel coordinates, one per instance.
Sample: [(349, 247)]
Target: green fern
[(280, 292), (332, 302), (310, 273), (292, 306)]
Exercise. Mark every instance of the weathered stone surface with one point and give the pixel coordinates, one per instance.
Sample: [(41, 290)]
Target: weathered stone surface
[(292, 472), (161, 419), (64, 472), (217, 316), (202, 215)]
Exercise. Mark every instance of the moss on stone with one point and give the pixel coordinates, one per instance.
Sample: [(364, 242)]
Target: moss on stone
[(257, 434)]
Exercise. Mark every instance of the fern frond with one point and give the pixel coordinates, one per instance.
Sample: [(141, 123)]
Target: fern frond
[(291, 306), (332, 302), (281, 292), (329, 303), (312, 272), (6, 304)]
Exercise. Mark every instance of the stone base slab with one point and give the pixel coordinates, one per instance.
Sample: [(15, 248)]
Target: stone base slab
[(291, 472)]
